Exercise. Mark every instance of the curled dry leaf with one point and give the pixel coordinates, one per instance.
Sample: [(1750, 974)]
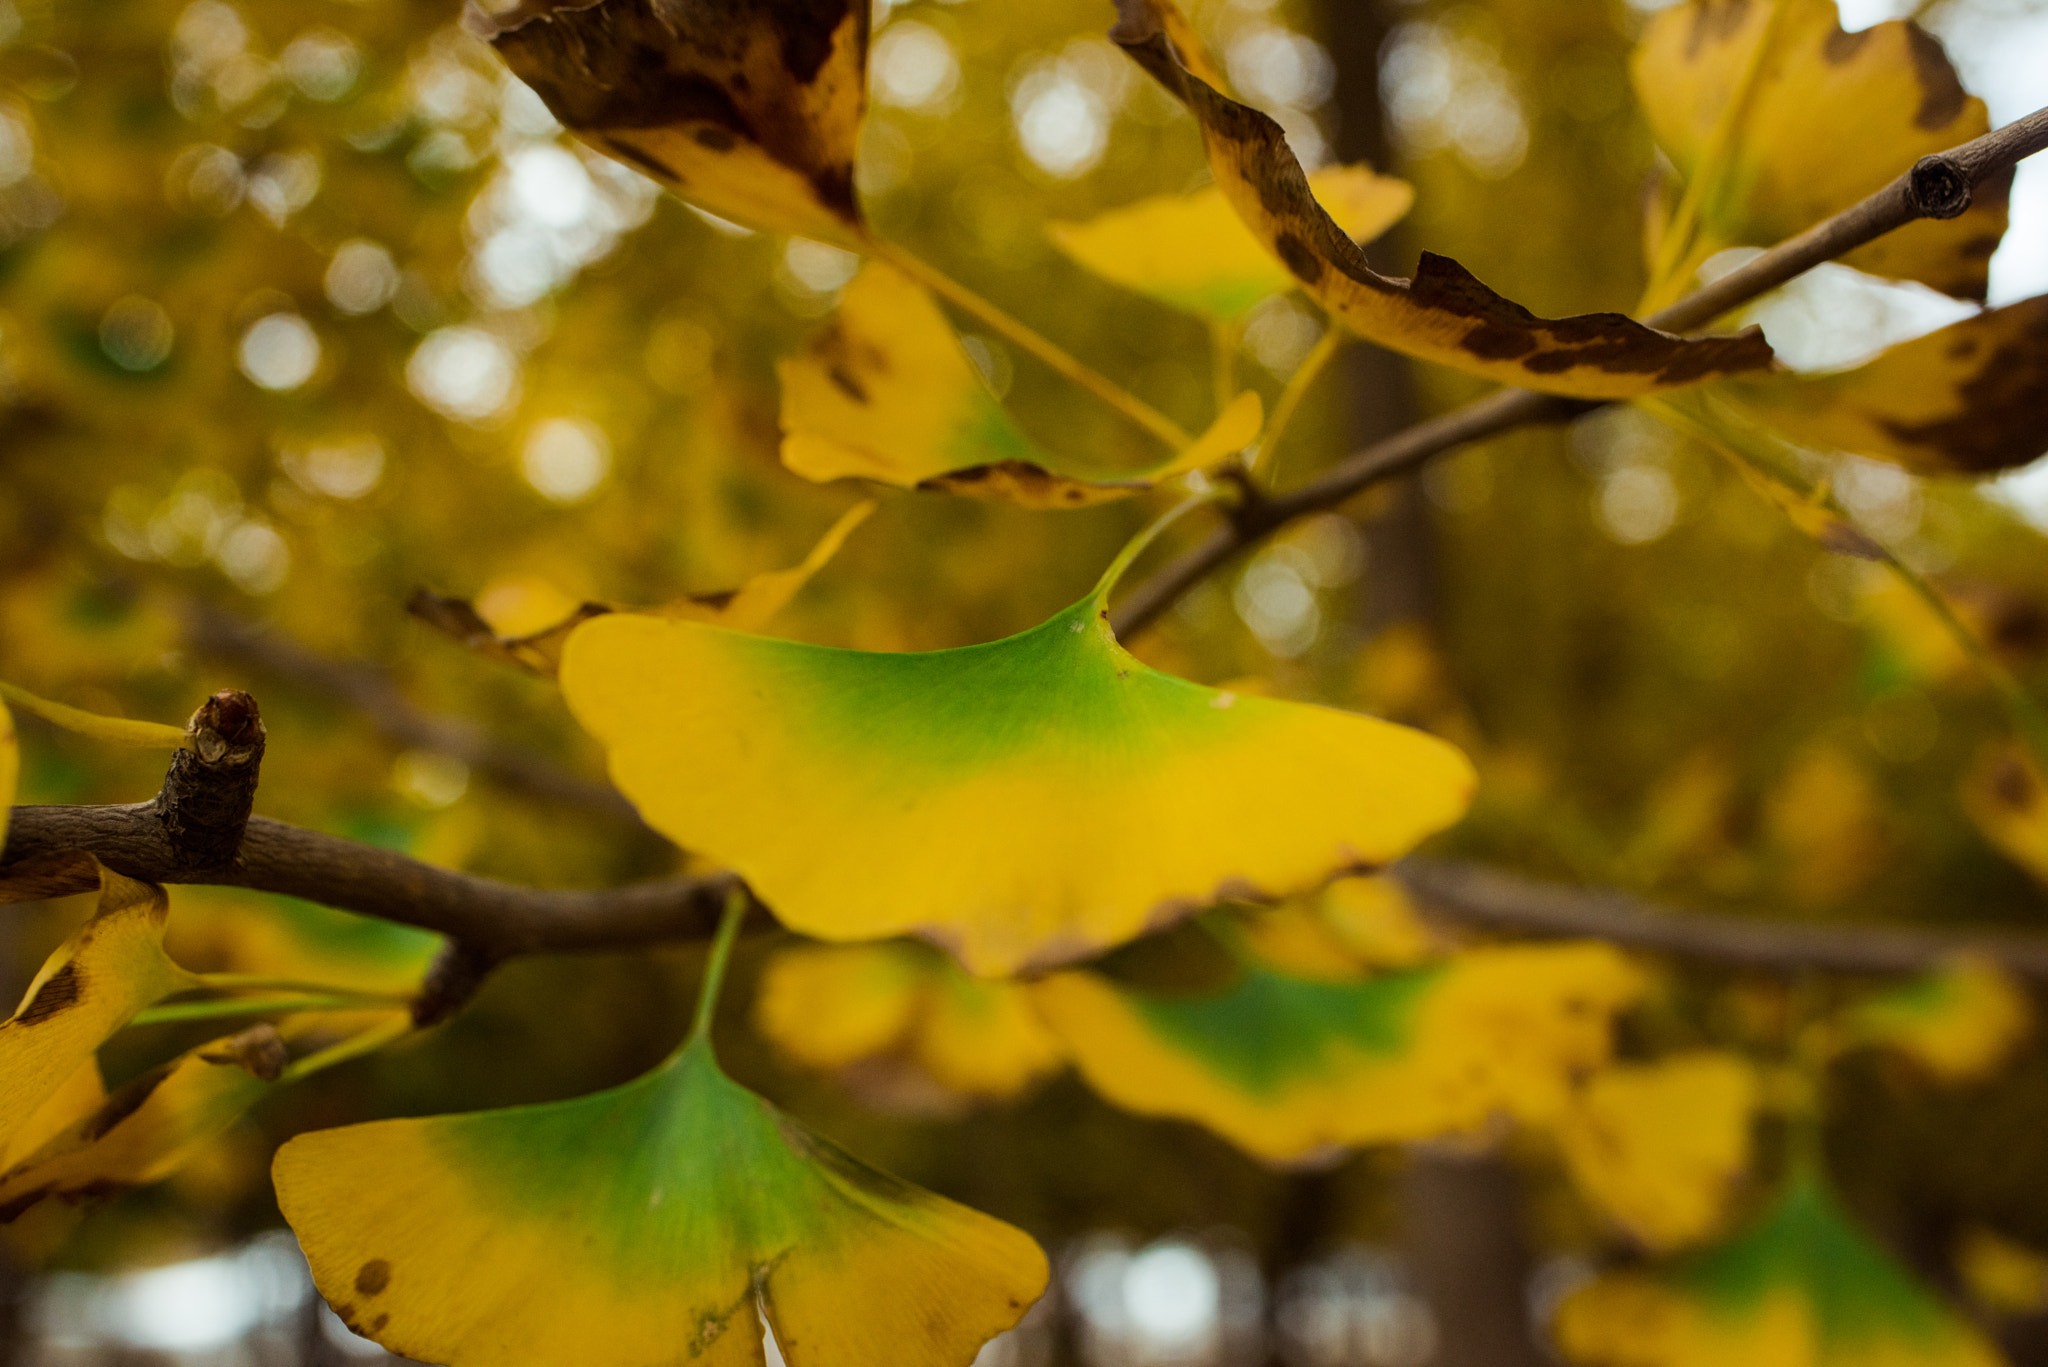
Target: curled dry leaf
[(651, 1219), (1282, 1065), (147, 1129), (1029, 801), (111, 968), (1444, 314), (885, 392), (748, 608), (1194, 253), (1802, 1287), (1657, 1146), (1828, 118), (1967, 399), (750, 108)]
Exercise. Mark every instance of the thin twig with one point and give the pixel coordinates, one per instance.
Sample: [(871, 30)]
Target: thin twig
[(1489, 899), (367, 690), (496, 918), (1938, 186)]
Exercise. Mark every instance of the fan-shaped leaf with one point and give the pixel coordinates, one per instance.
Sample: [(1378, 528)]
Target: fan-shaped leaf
[(1193, 252), (1803, 1287), (1657, 1145), (1024, 802), (834, 1005), (751, 108), (1828, 118), (884, 392), (147, 1129), (1960, 1023), (1341, 933), (96, 981), (638, 1227), (1283, 1065), (1967, 399), (1444, 314)]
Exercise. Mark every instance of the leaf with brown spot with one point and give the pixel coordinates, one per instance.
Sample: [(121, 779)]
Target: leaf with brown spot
[(747, 608), (750, 108), (885, 392), (1830, 118), (1969, 399), (96, 981), (1444, 314)]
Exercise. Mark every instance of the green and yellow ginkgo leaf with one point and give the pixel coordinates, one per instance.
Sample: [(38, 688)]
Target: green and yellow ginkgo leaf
[(1657, 1146), (1802, 1287), (643, 1226), (1964, 400), (1791, 120), (832, 1006), (1444, 314), (1342, 933), (235, 931), (1959, 1023), (147, 1129), (1194, 253), (750, 108), (1283, 1066), (885, 392), (1025, 802), (750, 607), (111, 968)]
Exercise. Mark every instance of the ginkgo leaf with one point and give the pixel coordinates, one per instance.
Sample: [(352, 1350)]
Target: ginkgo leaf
[(1444, 314), (750, 108), (1340, 934), (1024, 802), (640, 1227), (1966, 399), (1193, 252), (231, 930), (1802, 1287), (885, 392), (2001, 1274), (1283, 1066), (2004, 796), (1959, 1023), (112, 967), (829, 1006), (1656, 1146), (142, 735), (1826, 119), (147, 1129), (748, 608), (35, 1237)]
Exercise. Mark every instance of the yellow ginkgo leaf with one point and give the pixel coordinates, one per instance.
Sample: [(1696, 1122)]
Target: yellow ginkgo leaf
[(1351, 927), (885, 392), (142, 735), (1282, 1065), (1803, 1287), (1656, 1146), (1821, 119), (2003, 1276), (1959, 1023), (1964, 400), (1444, 314), (829, 1006), (1025, 802), (750, 108), (35, 1236), (2004, 795), (111, 968), (642, 1227), (748, 608), (148, 1128), (1193, 252)]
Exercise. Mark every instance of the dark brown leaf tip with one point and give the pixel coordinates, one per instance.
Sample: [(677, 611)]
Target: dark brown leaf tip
[(259, 1049)]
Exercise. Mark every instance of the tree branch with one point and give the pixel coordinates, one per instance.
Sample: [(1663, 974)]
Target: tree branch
[(1936, 187)]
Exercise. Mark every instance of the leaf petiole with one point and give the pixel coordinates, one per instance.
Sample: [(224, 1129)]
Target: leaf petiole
[(1135, 547), (736, 903), (1326, 348), (263, 1006)]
